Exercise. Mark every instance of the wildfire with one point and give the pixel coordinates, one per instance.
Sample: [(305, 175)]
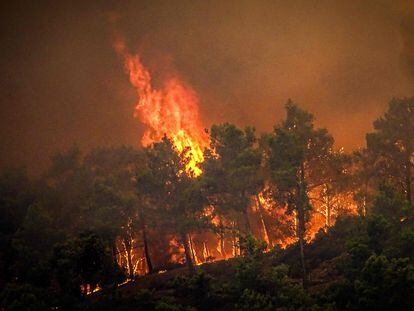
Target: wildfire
[(171, 110)]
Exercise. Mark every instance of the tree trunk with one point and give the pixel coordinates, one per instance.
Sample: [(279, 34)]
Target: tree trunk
[(328, 214), (221, 235), (363, 211), (328, 211), (248, 229), (192, 248), (222, 248), (247, 222), (114, 252), (206, 252), (187, 252), (128, 247), (141, 216), (301, 237), (301, 202), (266, 231), (408, 179), (236, 247), (146, 251)]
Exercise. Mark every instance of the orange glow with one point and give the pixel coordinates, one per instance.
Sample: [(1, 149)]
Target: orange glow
[(171, 110), (327, 209)]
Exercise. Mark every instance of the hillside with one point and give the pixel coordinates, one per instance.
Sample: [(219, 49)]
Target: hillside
[(352, 266)]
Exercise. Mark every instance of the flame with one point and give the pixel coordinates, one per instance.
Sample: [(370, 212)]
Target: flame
[(171, 110)]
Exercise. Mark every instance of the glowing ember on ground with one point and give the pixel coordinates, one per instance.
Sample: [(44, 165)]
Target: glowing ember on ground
[(171, 110)]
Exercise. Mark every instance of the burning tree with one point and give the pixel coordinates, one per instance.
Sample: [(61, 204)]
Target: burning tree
[(230, 175), (392, 143), (174, 193), (330, 190), (297, 149), (364, 179)]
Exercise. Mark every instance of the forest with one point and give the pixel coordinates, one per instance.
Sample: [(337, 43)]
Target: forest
[(284, 220)]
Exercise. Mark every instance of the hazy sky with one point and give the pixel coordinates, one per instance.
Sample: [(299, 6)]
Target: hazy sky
[(62, 83)]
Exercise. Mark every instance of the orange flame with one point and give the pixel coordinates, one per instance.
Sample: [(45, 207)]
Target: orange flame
[(171, 110)]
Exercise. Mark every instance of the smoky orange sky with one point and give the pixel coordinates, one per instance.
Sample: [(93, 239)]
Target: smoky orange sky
[(62, 82)]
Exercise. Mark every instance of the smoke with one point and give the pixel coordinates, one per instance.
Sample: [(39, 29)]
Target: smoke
[(63, 83), (407, 54)]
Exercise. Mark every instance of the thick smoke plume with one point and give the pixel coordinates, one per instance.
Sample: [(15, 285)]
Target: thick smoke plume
[(62, 82)]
